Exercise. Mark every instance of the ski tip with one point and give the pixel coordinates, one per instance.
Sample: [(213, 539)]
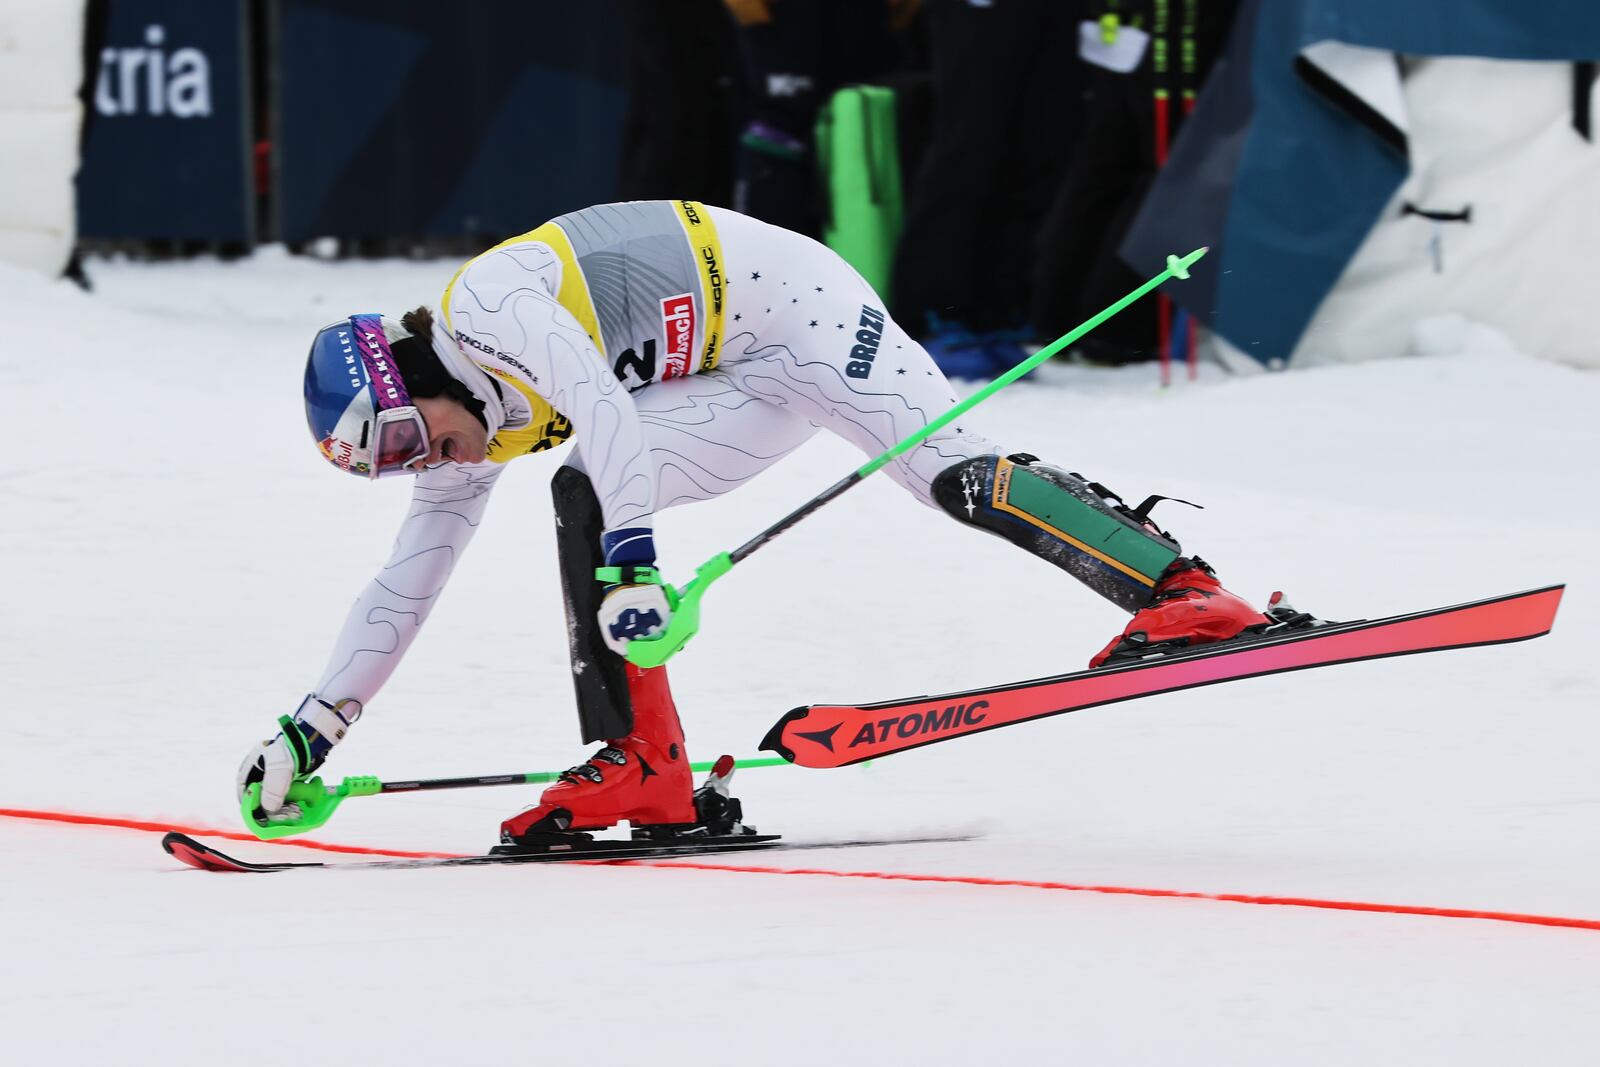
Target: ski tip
[(187, 850), (773, 742)]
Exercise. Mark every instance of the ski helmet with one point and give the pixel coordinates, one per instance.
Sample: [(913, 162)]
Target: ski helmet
[(357, 405)]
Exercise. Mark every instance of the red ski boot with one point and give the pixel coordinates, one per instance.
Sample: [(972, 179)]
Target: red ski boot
[(1189, 607), (643, 778)]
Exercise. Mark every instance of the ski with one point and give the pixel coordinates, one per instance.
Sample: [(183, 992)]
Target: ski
[(834, 735), (203, 857)]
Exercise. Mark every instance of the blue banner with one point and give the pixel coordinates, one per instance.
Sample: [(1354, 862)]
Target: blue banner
[(167, 148), (408, 119)]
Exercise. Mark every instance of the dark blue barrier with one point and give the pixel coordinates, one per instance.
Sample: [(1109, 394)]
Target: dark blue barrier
[(411, 118), (167, 155)]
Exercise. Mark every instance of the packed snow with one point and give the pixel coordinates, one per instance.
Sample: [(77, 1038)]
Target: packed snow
[(178, 560)]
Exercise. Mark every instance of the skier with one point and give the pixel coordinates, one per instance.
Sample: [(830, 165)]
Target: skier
[(685, 348)]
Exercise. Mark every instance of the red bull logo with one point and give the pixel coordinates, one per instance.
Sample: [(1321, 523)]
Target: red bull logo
[(341, 454)]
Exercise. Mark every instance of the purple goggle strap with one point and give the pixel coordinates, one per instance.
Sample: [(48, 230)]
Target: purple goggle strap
[(388, 388)]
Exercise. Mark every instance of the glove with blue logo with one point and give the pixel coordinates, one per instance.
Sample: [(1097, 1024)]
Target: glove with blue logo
[(300, 746), (635, 606)]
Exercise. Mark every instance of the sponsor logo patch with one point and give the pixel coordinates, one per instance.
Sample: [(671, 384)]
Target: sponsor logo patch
[(341, 453), (351, 363), (677, 326)]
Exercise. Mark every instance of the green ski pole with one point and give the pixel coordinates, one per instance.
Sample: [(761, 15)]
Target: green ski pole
[(685, 602), (318, 801)]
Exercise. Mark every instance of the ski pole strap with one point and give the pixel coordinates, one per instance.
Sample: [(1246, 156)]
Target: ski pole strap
[(629, 574)]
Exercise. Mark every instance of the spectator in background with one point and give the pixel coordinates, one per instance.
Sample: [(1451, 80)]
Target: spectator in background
[(1078, 271), (795, 54), (1006, 102), (679, 128)]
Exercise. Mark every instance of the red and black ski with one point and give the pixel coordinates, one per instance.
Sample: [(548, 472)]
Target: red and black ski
[(834, 735), (203, 857)]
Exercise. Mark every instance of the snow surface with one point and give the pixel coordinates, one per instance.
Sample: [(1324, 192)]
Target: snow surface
[(178, 560)]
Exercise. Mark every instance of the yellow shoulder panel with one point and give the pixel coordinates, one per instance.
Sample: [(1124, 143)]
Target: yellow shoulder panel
[(574, 293), (547, 428)]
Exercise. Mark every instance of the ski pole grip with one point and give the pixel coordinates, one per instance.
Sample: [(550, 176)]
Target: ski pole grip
[(361, 785), (317, 804), (685, 622)]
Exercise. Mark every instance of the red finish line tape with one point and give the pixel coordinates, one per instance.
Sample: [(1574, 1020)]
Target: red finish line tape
[(820, 872)]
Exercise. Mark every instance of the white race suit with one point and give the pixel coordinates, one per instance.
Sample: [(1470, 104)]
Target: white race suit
[(685, 349)]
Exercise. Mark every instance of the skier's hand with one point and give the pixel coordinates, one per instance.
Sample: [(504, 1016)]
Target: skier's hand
[(299, 747), (634, 605), (630, 612), (272, 764)]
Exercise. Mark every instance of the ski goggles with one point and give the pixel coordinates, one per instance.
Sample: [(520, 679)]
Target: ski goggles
[(399, 442), (399, 436)]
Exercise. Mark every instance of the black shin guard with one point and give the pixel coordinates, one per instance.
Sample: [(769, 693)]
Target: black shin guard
[(1079, 526), (605, 711)]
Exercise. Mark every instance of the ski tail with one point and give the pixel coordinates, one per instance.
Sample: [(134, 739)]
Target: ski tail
[(831, 735)]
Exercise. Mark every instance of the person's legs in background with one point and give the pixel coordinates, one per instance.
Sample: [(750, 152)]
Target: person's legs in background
[(679, 126), (1004, 119)]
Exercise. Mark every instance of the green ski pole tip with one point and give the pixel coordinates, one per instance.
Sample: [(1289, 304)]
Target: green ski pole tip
[(1179, 268)]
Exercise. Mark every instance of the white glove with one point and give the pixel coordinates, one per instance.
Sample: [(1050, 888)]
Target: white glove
[(630, 612), (300, 746)]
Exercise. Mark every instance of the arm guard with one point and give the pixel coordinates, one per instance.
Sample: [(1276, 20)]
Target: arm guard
[(599, 676)]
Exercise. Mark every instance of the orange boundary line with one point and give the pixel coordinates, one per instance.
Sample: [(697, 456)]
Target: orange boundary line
[(1116, 890), (883, 876), (206, 831)]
